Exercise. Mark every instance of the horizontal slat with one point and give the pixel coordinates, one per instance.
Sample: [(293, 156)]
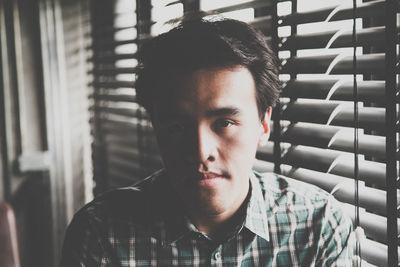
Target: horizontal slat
[(99, 45), (147, 144), (122, 128), (327, 161), (122, 162), (263, 166), (300, 156), (114, 97), (113, 71), (113, 43), (375, 226), (263, 23), (113, 84), (183, 1), (119, 179), (144, 23), (339, 114), (370, 9), (369, 171), (335, 64), (334, 138), (311, 158), (123, 139), (325, 181), (103, 27), (140, 172), (369, 198), (125, 127), (107, 30), (309, 112), (309, 134), (126, 153), (265, 153), (365, 37), (369, 118), (369, 145), (374, 252), (366, 264), (118, 111), (251, 4), (148, 152), (371, 91), (112, 57), (175, 2), (131, 172)]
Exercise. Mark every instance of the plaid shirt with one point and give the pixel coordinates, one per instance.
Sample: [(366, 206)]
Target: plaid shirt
[(287, 223)]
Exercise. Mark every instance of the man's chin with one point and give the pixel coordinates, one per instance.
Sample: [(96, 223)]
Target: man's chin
[(205, 202)]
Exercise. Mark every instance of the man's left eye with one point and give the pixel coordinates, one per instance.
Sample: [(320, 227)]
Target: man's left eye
[(224, 123)]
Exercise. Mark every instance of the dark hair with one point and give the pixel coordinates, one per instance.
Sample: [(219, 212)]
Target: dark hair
[(200, 44)]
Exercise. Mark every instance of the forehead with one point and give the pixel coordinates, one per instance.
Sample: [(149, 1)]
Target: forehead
[(205, 89)]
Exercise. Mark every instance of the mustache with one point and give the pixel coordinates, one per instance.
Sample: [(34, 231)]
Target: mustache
[(206, 175)]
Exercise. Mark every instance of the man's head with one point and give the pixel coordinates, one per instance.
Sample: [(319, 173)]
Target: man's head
[(200, 44), (209, 87)]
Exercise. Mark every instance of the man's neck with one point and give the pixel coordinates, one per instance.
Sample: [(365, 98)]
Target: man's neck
[(217, 226)]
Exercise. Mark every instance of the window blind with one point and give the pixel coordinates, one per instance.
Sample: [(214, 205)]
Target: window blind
[(124, 145), (317, 114), (313, 125)]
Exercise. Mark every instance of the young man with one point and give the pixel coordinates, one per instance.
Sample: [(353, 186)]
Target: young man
[(209, 88)]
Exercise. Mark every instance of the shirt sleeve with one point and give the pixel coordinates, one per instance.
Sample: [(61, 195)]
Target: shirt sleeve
[(336, 242), (82, 244)]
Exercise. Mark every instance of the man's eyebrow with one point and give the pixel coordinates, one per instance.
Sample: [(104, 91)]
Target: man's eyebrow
[(214, 112), (225, 111)]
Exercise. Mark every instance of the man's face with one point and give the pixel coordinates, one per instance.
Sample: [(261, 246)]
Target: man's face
[(208, 129)]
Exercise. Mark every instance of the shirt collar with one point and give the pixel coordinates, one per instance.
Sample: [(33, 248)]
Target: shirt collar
[(256, 217), (177, 224)]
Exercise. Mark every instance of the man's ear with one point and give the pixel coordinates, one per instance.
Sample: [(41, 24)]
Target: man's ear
[(265, 128)]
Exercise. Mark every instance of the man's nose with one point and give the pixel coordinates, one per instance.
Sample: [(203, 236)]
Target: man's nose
[(201, 146)]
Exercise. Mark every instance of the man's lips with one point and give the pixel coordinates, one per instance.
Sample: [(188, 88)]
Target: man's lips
[(208, 175)]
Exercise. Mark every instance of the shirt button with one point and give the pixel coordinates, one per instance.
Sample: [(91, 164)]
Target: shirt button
[(217, 255)]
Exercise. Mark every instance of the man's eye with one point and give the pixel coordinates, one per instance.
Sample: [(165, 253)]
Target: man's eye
[(224, 123)]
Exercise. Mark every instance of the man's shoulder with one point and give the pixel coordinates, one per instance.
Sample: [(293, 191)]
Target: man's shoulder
[(284, 195), (279, 185), (285, 191), (125, 203), (313, 215)]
